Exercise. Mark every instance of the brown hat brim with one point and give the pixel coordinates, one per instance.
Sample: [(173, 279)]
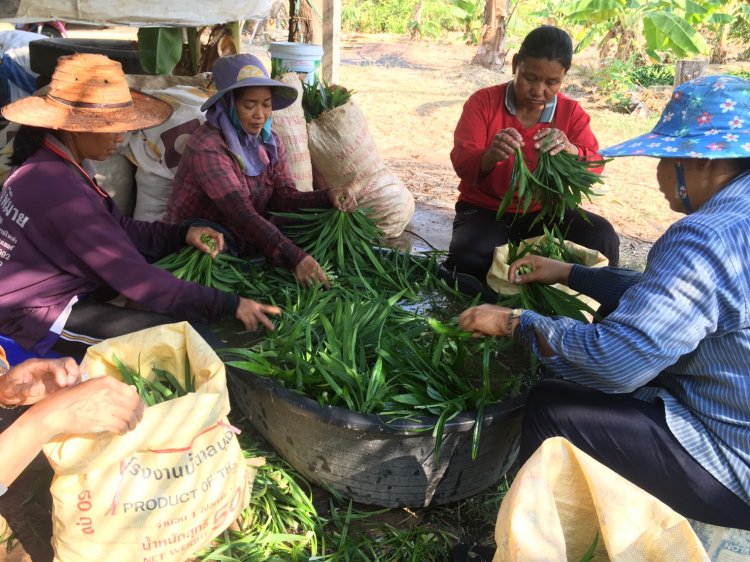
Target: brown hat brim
[(146, 111)]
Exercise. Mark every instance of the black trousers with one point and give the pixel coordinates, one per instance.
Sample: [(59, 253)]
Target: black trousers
[(92, 321), (632, 438), (476, 233)]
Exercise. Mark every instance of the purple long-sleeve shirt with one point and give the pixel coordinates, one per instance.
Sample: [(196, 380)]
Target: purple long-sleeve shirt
[(61, 237)]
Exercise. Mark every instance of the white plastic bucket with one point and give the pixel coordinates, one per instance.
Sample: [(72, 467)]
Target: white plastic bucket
[(296, 57)]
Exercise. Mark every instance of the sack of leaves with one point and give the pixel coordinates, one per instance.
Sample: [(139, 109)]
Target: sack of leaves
[(166, 488), (343, 154), (291, 126)]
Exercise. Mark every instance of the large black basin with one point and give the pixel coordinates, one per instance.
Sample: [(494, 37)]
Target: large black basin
[(374, 462)]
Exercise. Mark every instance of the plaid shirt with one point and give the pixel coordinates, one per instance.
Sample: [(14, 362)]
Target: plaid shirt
[(210, 185)]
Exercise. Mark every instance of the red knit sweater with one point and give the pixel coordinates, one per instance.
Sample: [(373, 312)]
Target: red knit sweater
[(483, 116)]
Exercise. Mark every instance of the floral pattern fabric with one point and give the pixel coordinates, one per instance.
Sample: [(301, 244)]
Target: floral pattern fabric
[(708, 117)]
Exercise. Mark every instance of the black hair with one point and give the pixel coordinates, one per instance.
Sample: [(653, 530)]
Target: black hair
[(547, 42), (25, 144)]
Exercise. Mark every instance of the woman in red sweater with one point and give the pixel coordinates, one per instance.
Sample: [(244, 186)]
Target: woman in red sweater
[(531, 113)]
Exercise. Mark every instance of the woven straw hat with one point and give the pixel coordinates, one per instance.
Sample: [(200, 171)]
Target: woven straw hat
[(89, 93)]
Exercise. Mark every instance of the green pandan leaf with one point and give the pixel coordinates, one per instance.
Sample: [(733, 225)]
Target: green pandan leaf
[(160, 48)]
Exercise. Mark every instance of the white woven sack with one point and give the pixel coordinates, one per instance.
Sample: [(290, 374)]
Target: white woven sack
[(289, 124), (157, 151), (344, 154)]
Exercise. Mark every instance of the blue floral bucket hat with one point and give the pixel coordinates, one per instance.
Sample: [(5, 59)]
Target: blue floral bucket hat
[(708, 117), (244, 70)]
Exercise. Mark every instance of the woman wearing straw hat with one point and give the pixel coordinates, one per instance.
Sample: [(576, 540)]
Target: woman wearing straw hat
[(65, 248), (234, 168), (659, 390)]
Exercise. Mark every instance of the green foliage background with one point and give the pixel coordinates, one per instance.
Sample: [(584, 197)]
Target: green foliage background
[(442, 17), (439, 17), (394, 16)]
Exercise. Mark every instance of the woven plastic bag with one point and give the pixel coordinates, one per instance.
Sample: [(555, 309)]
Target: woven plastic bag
[(157, 151), (165, 489), (343, 154), (289, 123), (561, 498)]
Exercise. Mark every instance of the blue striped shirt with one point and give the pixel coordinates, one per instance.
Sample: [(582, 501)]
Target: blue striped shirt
[(681, 333)]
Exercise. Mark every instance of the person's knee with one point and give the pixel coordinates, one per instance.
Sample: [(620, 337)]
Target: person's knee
[(546, 405), (610, 245), (547, 392), (593, 232), (470, 254), (604, 239), (464, 260)]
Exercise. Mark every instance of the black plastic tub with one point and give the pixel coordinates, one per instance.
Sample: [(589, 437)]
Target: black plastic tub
[(43, 54), (373, 462)]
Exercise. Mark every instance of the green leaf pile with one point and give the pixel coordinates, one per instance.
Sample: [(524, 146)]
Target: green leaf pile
[(318, 97)]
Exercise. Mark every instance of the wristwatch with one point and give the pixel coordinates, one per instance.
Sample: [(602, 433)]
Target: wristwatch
[(514, 314)]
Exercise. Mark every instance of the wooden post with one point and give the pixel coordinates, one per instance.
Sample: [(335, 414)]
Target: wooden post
[(331, 41), (317, 20), (685, 70)]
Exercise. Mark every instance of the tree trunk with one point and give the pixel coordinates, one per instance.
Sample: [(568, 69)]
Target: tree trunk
[(491, 51), (719, 50), (415, 24), (685, 70), (300, 26)]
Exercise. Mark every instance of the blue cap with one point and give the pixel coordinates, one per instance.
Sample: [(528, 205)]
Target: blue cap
[(708, 117)]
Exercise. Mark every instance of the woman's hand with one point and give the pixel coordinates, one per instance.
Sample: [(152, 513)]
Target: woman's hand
[(309, 273), (97, 405), (553, 141), (542, 270), (103, 404), (503, 146), (343, 199), (251, 313), (32, 380), (485, 320), (194, 238)]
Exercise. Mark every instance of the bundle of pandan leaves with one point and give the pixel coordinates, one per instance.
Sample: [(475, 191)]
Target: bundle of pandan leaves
[(548, 299), (559, 182), (161, 385), (191, 264)]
